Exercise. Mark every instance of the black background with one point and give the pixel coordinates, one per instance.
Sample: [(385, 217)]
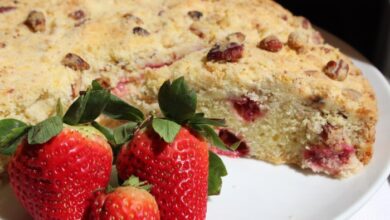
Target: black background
[(363, 24)]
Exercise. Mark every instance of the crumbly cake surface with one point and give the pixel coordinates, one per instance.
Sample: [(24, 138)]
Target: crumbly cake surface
[(312, 105)]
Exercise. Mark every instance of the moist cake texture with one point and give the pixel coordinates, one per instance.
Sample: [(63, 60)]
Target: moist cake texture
[(287, 95)]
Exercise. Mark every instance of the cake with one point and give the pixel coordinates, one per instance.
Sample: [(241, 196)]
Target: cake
[(286, 95)]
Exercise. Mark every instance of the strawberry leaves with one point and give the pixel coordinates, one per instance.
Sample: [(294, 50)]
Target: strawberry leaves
[(45, 130), (166, 129), (87, 107), (12, 132), (216, 171), (177, 101)]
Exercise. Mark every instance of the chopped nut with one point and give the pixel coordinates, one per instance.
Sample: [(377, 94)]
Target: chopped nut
[(194, 28), (236, 37), (132, 18), (352, 94), (337, 70), (36, 21), (317, 38), (297, 40), (4, 9), (195, 15), (140, 31), (317, 102), (75, 62), (226, 52), (2, 45), (271, 44), (305, 23), (77, 15)]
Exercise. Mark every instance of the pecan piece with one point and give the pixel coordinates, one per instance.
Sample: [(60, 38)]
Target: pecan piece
[(352, 94), (77, 15), (271, 44), (305, 23), (195, 15), (2, 45), (297, 40), (132, 18), (225, 52), (75, 62), (4, 9), (140, 31), (236, 37), (36, 21), (337, 70), (194, 28), (317, 38)]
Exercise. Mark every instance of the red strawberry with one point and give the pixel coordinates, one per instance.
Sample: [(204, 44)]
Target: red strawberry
[(178, 171), (56, 179), (124, 203)]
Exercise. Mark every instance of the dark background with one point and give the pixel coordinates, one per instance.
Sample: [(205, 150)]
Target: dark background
[(364, 24)]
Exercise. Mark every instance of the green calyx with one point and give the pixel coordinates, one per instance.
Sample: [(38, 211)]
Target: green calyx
[(135, 182), (132, 181)]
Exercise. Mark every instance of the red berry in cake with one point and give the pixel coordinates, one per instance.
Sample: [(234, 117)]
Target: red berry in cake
[(229, 138), (4, 9), (170, 154), (56, 179), (246, 108), (130, 201)]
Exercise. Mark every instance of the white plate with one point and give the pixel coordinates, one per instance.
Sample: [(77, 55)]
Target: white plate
[(257, 190)]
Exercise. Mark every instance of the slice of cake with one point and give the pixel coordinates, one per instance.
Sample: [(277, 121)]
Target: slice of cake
[(288, 96)]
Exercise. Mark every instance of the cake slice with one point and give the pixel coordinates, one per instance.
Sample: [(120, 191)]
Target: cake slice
[(287, 95), (285, 107)]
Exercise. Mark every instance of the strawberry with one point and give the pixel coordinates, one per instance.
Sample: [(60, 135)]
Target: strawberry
[(58, 163), (131, 201), (170, 154), (54, 180), (178, 171)]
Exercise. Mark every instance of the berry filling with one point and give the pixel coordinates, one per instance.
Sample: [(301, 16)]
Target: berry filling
[(248, 109), (229, 139), (328, 158), (158, 65)]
